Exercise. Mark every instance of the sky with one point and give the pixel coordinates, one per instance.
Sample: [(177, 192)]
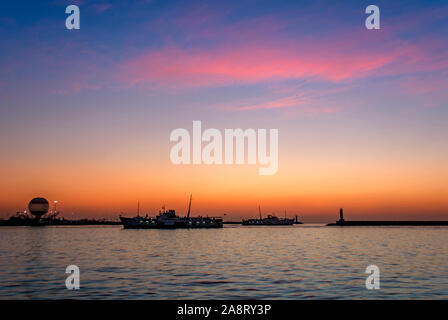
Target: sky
[(86, 115)]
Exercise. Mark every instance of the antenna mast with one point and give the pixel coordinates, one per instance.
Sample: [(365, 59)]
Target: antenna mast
[(189, 206)]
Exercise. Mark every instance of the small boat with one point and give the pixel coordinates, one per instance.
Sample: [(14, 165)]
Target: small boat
[(270, 220), (167, 219)]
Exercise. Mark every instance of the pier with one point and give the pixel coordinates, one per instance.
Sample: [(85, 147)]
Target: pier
[(342, 223)]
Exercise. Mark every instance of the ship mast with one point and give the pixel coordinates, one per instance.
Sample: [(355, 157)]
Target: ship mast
[(138, 208), (259, 211), (189, 206)]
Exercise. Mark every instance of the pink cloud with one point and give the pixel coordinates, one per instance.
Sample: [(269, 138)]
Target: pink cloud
[(285, 102), (258, 50), (347, 56), (176, 67), (310, 101), (297, 101)]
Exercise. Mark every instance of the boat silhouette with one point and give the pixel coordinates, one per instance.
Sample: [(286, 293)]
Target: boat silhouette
[(167, 219), (270, 220)]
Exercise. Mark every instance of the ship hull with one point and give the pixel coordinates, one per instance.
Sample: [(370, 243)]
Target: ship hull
[(268, 222), (143, 223), (244, 223)]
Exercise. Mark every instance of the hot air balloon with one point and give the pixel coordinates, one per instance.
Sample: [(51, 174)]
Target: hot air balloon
[(38, 207)]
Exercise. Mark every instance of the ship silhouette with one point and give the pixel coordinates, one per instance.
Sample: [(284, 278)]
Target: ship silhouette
[(270, 220), (167, 219)]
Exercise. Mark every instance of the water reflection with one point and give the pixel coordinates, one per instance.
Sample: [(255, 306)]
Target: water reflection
[(234, 262)]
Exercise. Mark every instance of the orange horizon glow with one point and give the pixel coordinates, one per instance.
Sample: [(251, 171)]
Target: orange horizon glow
[(312, 190)]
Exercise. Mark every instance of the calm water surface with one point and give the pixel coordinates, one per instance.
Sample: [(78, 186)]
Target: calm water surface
[(236, 262)]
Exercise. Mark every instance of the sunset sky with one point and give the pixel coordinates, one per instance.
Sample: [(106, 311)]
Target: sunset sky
[(86, 115)]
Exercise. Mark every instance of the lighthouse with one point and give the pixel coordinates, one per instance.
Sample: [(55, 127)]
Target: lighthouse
[(341, 215)]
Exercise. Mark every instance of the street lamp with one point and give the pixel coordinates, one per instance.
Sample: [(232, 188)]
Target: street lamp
[(55, 202)]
